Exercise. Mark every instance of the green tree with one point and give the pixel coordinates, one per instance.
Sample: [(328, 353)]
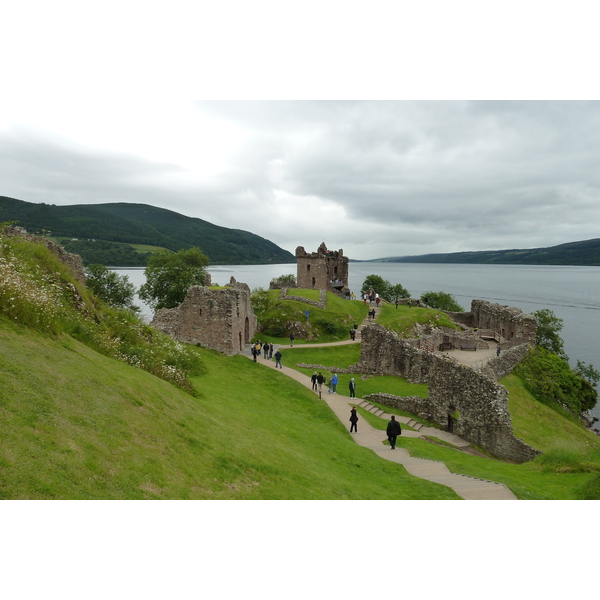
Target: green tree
[(547, 332), (169, 275), (441, 301), (288, 280), (376, 283), (588, 372), (397, 291), (112, 288)]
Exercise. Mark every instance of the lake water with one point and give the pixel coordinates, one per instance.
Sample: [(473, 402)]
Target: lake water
[(572, 293)]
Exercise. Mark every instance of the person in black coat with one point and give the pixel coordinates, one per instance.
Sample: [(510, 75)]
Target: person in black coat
[(352, 388), (320, 382), (393, 431), (353, 420)]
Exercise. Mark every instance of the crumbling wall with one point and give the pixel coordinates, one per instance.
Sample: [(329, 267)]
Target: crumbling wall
[(221, 319), (515, 326), (461, 400)]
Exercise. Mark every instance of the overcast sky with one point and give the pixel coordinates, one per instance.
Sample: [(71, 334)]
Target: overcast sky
[(375, 177)]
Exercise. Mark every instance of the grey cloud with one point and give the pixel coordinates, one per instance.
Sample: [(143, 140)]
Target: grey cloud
[(407, 177)]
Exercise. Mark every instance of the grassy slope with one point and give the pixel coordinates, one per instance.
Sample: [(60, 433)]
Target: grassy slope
[(76, 424)]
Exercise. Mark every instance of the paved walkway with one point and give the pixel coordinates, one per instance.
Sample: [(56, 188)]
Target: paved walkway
[(469, 488)]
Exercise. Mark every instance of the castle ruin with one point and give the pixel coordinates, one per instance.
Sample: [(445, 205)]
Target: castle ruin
[(218, 318), (322, 270)]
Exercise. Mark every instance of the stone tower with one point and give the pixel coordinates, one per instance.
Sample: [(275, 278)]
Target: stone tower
[(322, 270)]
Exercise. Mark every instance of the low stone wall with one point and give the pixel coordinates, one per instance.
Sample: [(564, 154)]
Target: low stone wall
[(321, 303), (500, 366)]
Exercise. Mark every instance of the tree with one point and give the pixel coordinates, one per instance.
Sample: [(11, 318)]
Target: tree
[(169, 275), (441, 301), (376, 283), (547, 332), (110, 287), (284, 281), (384, 288), (397, 291), (588, 372)]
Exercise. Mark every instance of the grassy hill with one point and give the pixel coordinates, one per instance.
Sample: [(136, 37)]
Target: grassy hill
[(585, 253), (137, 224)]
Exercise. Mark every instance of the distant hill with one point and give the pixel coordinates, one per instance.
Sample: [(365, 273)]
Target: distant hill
[(586, 253), (141, 224)]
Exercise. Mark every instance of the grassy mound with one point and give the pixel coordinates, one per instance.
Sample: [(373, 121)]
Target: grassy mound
[(278, 317)]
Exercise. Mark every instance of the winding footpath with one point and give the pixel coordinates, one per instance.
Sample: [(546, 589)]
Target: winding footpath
[(468, 488)]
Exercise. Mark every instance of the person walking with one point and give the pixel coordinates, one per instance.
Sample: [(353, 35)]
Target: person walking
[(265, 350), (353, 420), (314, 381), (278, 359), (320, 381), (270, 351), (352, 387), (330, 386), (292, 338), (334, 382), (393, 431), (253, 350)]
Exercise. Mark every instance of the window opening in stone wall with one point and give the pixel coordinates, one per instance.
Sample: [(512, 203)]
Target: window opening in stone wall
[(308, 267), (313, 282)]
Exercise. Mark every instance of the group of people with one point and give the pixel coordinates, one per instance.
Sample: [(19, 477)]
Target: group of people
[(371, 297), (318, 379), (266, 350)]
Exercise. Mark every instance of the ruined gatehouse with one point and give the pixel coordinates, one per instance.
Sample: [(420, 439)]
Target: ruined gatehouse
[(220, 318)]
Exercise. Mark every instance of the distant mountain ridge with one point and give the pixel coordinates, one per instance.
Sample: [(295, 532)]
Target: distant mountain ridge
[(585, 253), (128, 223)]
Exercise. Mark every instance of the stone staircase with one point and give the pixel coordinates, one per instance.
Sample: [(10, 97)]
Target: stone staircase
[(410, 422)]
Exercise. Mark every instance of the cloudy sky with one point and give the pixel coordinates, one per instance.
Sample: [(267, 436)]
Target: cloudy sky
[(378, 178)]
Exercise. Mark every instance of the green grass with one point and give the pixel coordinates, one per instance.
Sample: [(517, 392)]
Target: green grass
[(343, 357), (330, 324), (403, 319), (314, 295), (78, 425)]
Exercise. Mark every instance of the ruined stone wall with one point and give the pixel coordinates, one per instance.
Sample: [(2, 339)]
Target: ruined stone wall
[(317, 269), (500, 366), (221, 319), (73, 261), (512, 323), (470, 404)]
